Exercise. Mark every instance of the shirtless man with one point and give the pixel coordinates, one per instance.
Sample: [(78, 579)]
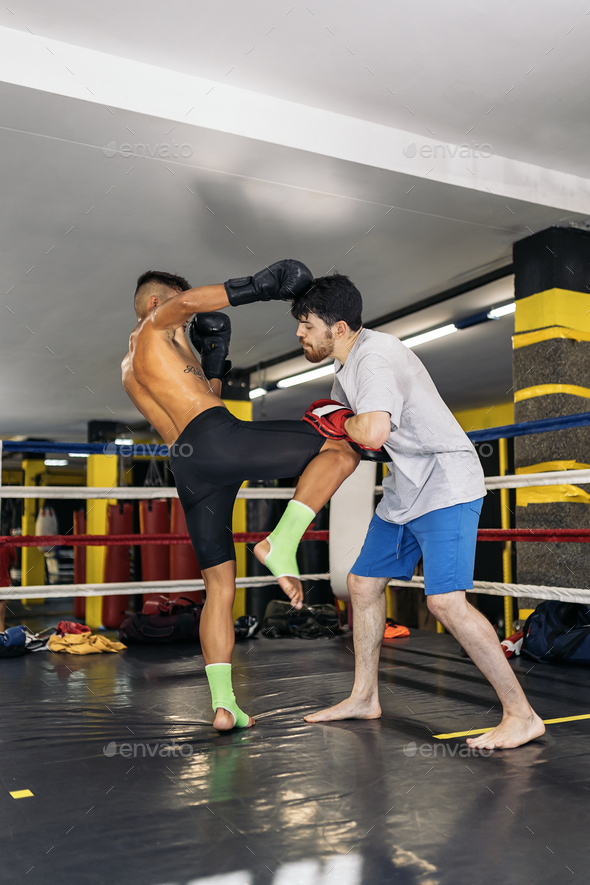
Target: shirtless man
[(212, 453)]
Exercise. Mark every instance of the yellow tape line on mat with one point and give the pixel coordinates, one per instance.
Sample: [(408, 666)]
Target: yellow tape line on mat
[(544, 389), (459, 734), (526, 338)]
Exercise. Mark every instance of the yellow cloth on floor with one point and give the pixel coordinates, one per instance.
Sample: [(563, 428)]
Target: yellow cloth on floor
[(83, 644)]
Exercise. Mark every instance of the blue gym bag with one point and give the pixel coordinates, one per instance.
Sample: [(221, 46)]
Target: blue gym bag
[(558, 631)]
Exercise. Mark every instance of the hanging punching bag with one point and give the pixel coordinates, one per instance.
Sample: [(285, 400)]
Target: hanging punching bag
[(117, 565), (79, 564), (46, 524), (155, 558), (183, 562)]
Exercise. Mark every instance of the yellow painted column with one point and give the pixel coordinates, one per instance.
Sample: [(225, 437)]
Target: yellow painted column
[(241, 409), (551, 377), (102, 472), (507, 551), (33, 561)]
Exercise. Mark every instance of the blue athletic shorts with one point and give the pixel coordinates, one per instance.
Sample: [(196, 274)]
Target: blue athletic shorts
[(445, 538)]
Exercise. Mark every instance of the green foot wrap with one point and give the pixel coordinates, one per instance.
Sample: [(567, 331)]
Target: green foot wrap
[(222, 693), (282, 559)]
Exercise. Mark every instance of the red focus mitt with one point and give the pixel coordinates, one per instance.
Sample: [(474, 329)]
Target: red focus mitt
[(328, 417)]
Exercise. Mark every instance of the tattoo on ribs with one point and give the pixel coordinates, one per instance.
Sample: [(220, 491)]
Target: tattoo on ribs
[(194, 371)]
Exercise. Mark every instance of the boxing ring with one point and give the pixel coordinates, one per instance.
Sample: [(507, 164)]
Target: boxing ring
[(122, 776), (350, 512)]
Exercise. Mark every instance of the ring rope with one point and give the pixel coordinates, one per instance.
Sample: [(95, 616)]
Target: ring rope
[(548, 536), (138, 493), (524, 428), (134, 540), (59, 591), (497, 588)]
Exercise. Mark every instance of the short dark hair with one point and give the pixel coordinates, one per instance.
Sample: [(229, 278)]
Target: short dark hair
[(160, 276), (331, 299)]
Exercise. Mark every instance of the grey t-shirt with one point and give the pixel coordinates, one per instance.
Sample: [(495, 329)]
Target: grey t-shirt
[(433, 463)]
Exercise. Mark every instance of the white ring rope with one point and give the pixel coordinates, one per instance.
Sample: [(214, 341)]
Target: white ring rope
[(136, 493), (495, 588), (126, 493), (59, 591)]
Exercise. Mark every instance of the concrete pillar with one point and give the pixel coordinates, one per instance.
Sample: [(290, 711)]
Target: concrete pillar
[(551, 371)]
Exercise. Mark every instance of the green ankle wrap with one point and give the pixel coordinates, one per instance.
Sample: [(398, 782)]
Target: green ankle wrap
[(282, 559), (222, 693)]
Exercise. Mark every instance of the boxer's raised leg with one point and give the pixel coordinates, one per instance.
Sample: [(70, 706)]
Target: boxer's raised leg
[(318, 482)]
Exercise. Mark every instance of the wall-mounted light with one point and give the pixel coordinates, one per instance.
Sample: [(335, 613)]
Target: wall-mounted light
[(432, 335), (502, 311), (303, 377)]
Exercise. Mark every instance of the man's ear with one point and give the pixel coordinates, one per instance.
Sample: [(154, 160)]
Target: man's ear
[(340, 329)]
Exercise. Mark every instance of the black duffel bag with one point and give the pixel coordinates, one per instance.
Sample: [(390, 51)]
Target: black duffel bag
[(176, 621), (558, 631), (308, 622)]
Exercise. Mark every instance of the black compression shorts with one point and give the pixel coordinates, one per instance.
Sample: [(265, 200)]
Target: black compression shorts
[(215, 454)]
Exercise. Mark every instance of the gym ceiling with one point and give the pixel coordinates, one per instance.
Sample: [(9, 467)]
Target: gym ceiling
[(407, 145)]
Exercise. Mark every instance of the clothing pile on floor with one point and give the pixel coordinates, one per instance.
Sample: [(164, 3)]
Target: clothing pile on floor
[(77, 639), (394, 631)]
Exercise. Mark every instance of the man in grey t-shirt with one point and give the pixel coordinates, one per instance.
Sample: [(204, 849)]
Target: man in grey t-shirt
[(432, 497)]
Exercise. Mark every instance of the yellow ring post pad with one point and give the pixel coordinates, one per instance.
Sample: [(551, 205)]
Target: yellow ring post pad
[(565, 308), (458, 734), (569, 494), (524, 339)]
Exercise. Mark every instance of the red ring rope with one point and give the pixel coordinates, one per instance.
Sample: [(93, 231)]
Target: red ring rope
[(551, 536), (129, 540)]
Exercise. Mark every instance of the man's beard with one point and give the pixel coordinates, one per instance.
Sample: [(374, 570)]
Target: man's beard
[(319, 352)]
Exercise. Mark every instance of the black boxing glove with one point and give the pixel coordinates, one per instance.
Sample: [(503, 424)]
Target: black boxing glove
[(210, 334), (282, 281)]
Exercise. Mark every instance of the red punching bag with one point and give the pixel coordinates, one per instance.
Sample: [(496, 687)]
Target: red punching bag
[(117, 566), (79, 564), (183, 562), (154, 519)]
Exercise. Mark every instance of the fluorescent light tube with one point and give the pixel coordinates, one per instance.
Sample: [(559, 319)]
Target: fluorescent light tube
[(502, 311), (429, 336), (322, 372)]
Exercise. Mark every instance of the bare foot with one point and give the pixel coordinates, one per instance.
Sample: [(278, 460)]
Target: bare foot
[(224, 721), (513, 731), (351, 708), (290, 585)]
